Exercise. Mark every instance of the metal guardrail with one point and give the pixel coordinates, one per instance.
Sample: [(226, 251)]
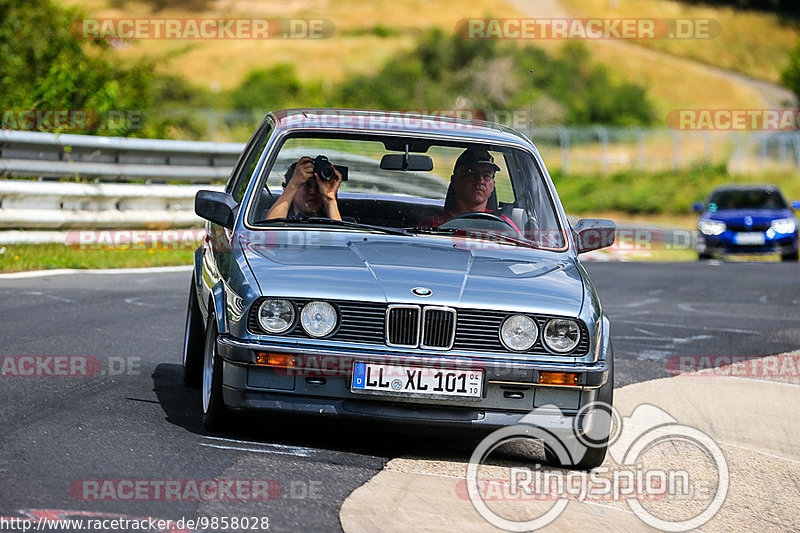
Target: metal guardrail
[(47, 155), (53, 205), (46, 203)]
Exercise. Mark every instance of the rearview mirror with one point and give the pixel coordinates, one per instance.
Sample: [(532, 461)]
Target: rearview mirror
[(594, 233), (216, 207), (698, 206), (406, 162), (795, 204)]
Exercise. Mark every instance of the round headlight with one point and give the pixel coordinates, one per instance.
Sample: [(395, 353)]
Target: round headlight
[(519, 333), (276, 316), (318, 318), (561, 335)]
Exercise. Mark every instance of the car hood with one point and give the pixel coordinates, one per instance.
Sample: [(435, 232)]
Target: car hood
[(385, 270), (757, 216)]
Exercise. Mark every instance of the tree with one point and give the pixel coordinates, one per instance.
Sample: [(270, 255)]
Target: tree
[(44, 66)]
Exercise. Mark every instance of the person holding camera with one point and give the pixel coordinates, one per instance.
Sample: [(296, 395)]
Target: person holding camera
[(310, 189)]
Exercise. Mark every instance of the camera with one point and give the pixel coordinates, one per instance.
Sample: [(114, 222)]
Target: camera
[(323, 168)]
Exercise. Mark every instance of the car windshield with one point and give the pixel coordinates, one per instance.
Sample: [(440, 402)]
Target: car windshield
[(746, 199), (412, 187)]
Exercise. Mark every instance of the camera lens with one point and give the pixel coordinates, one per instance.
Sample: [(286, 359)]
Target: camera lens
[(323, 168)]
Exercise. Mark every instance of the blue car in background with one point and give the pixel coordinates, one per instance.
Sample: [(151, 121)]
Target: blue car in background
[(749, 219)]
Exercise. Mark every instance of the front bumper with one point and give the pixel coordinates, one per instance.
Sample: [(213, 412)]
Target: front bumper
[(320, 385), (726, 244)]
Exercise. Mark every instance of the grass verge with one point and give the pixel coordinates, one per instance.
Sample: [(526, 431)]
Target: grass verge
[(17, 258)]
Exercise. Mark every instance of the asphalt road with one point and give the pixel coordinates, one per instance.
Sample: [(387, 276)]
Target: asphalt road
[(134, 420)]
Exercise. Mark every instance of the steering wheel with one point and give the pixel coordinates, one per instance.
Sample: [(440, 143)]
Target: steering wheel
[(477, 215)]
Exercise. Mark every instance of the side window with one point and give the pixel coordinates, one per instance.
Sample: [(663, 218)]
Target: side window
[(502, 180), (244, 172)]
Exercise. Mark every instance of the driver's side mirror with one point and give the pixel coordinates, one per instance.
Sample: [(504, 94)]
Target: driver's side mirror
[(215, 206), (795, 204), (594, 233), (698, 207)]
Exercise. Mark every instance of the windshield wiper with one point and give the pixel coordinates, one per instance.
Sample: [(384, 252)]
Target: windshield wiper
[(435, 230), (334, 222), (473, 233)]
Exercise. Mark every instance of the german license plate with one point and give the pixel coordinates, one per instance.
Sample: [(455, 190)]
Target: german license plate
[(416, 380), (753, 238)]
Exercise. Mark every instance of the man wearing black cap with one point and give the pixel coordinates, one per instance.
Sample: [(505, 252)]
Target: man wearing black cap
[(471, 187)]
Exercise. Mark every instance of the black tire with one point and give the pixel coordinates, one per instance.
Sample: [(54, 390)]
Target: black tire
[(215, 414), (791, 256), (592, 457), (703, 256), (193, 341)]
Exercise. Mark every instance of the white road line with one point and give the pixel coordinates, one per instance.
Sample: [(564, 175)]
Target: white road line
[(681, 326), (255, 450), (272, 446), (48, 295), (68, 271), (639, 338), (135, 301), (757, 451), (641, 303)]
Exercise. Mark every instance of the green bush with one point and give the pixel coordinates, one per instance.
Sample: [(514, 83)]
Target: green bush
[(444, 72), (273, 88), (643, 193), (45, 66)]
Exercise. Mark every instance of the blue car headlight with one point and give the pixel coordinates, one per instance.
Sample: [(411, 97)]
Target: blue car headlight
[(784, 225), (708, 226)]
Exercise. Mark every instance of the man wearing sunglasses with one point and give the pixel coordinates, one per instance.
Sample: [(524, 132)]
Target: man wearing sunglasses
[(471, 188)]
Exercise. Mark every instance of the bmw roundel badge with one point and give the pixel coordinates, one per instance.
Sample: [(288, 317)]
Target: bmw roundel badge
[(423, 292)]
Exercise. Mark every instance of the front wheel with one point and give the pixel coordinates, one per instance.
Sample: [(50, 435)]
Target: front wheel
[(193, 341), (590, 451), (791, 256), (215, 413)]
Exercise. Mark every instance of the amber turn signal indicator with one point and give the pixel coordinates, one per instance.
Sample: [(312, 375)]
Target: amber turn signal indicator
[(277, 360), (558, 378)]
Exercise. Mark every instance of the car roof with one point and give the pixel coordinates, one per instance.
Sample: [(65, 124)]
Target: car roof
[(410, 123)]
